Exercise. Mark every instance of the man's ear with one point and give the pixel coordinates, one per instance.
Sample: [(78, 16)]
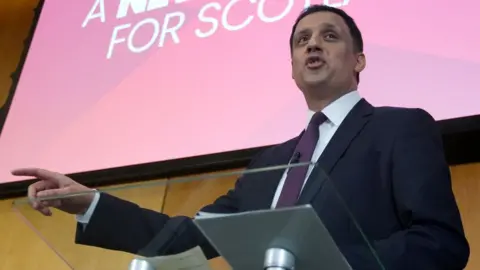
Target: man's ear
[(361, 62)]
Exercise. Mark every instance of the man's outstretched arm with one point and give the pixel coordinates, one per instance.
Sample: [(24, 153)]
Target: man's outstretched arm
[(116, 224)]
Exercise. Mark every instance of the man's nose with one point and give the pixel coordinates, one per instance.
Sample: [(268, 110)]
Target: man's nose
[(313, 48), (313, 45)]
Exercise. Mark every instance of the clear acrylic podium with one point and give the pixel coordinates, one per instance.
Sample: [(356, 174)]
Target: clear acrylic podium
[(296, 237)]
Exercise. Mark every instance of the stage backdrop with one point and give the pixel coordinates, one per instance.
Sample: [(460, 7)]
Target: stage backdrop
[(114, 83)]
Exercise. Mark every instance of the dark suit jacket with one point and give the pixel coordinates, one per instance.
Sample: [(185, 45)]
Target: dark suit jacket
[(386, 163)]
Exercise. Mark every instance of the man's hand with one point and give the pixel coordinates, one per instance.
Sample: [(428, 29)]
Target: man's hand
[(56, 184)]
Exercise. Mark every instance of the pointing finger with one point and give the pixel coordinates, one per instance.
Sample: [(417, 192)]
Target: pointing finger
[(39, 173)]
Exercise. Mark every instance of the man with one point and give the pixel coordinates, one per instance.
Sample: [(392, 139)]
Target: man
[(387, 163)]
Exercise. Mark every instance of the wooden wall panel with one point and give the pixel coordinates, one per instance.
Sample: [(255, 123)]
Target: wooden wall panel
[(466, 186)]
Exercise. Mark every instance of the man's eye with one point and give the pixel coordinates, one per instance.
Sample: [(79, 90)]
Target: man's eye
[(302, 39), (330, 36)]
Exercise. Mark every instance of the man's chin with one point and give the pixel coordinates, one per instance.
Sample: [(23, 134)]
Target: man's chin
[(315, 80)]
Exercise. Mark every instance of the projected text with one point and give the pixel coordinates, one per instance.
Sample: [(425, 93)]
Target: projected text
[(210, 18)]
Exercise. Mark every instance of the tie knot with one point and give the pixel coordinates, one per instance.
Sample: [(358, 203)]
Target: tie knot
[(317, 119)]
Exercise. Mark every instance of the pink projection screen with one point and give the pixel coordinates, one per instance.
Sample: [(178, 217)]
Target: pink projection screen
[(114, 83)]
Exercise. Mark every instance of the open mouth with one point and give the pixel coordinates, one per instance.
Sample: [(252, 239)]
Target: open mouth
[(314, 62)]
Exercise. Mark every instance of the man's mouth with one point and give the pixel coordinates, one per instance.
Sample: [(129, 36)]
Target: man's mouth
[(314, 62)]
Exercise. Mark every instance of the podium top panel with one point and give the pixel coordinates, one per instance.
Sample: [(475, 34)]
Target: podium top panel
[(297, 231)]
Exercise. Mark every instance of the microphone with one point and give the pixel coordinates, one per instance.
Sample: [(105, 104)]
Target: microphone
[(296, 157)]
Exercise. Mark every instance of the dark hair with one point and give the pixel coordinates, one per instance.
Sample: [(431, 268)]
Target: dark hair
[(352, 26)]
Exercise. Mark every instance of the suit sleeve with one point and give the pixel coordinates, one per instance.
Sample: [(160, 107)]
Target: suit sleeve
[(433, 237), (120, 225)]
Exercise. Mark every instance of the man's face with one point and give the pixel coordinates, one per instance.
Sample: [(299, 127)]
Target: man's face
[(323, 56)]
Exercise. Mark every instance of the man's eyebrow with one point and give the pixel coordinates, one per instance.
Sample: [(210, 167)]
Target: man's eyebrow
[(323, 26)]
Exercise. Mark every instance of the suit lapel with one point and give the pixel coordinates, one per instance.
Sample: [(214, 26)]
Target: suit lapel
[(345, 134)]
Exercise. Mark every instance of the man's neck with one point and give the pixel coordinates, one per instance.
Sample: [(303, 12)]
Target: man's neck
[(317, 104)]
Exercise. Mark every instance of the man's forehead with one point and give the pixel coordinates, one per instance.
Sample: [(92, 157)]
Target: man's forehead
[(321, 19)]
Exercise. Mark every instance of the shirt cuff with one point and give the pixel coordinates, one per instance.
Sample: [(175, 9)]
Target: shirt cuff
[(85, 218)]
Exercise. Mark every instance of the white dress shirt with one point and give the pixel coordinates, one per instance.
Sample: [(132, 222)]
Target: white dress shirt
[(335, 113)]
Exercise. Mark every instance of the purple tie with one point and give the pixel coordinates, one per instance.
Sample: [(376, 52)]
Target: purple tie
[(303, 153)]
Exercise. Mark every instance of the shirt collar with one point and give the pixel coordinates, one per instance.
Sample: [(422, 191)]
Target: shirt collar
[(339, 109)]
